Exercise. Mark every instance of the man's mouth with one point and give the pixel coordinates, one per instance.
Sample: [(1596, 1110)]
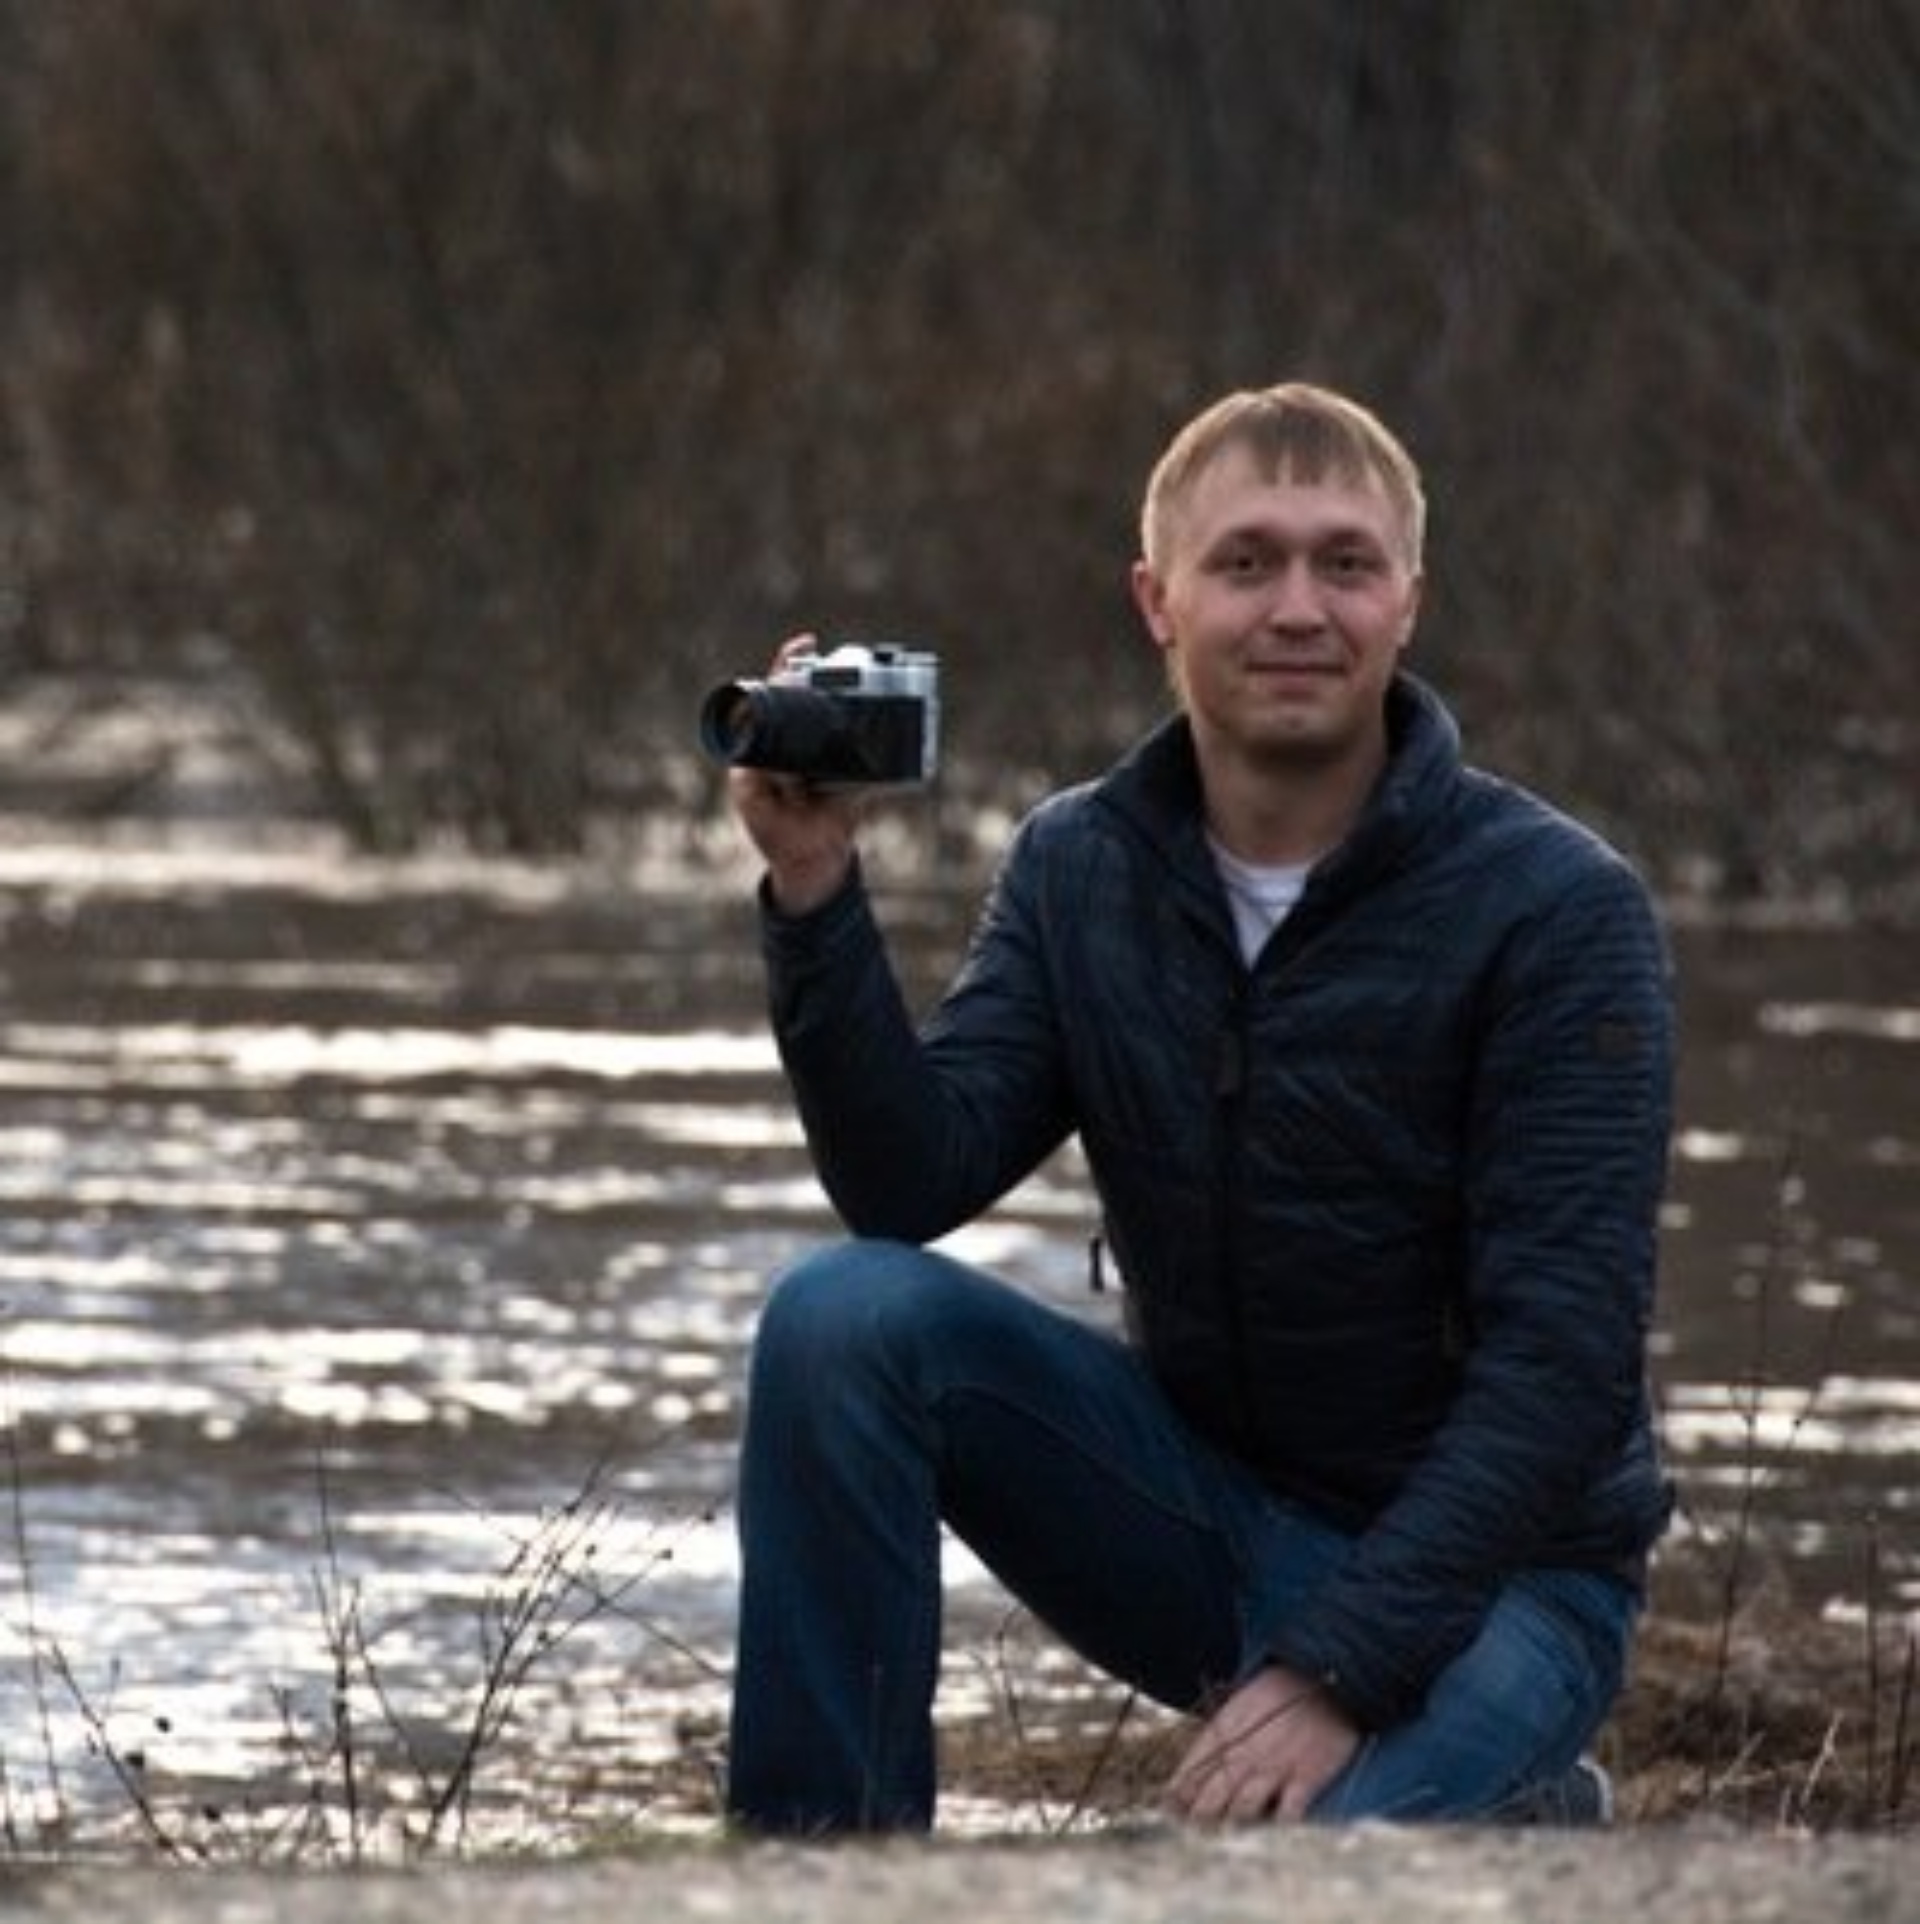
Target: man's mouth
[(1294, 667)]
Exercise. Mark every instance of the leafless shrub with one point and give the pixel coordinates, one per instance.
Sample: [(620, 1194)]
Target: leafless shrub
[(483, 378)]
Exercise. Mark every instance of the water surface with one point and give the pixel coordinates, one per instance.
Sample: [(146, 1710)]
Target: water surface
[(379, 1247)]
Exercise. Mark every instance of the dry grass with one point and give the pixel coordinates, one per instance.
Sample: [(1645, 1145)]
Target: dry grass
[(1801, 1727), (1777, 1721)]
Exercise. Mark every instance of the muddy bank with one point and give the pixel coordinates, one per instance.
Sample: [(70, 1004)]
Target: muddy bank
[(1676, 1876)]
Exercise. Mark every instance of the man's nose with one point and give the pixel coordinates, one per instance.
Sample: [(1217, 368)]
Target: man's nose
[(1295, 598)]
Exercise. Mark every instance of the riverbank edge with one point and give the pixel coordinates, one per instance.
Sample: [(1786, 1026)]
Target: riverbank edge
[(1678, 1875)]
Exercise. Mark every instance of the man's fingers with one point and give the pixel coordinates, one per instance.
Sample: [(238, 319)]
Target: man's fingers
[(1266, 1753), (1221, 1789), (1189, 1783), (1294, 1803), (1224, 1778), (1256, 1799)]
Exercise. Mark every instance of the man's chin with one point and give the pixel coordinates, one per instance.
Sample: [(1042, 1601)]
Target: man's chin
[(1303, 742)]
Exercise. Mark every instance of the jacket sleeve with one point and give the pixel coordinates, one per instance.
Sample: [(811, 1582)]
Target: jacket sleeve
[(1565, 1163), (915, 1131)]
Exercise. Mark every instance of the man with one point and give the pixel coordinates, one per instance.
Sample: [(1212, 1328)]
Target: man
[(1369, 1054)]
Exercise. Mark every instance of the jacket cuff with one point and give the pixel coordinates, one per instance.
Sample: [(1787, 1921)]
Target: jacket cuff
[(777, 924), (1373, 1701)]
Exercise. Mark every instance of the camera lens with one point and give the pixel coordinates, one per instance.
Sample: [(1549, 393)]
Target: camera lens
[(727, 721), (754, 724)]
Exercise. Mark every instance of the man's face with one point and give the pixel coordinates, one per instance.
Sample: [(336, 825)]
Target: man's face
[(1282, 607)]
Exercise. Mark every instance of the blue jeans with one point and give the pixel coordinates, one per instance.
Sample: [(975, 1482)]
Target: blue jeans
[(893, 1389)]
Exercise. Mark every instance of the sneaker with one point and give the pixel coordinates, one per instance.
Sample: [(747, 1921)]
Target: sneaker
[(1579, 1799)]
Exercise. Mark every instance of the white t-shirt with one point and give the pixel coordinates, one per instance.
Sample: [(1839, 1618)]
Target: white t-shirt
[(1261, 895)]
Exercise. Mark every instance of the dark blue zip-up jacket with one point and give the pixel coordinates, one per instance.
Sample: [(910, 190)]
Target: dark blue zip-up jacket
[(1385, 1204)]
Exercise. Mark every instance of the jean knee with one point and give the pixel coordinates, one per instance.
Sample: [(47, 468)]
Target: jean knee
[(826, 1315)]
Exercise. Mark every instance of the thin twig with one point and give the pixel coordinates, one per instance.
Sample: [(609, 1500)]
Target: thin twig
[(1104, 1756), (1800, 1804), (1904, 1737), (1873, 1660), (519, 1628), (125, 1771), (614, 1601), (339, 1604), (29, 1598)]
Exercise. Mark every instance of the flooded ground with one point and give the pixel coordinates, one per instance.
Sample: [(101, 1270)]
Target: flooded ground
[(378, 1248)]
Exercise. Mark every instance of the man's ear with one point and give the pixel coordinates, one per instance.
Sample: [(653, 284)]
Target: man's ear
[(1150, 597), (1416, 593)]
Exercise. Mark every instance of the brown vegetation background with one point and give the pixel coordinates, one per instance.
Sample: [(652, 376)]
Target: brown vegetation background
[(474, 380)]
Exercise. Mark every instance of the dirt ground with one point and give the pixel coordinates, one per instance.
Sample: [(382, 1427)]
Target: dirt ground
[(1681, 1875)]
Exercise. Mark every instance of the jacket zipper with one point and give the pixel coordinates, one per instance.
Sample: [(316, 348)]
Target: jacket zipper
[(1230, 1099)]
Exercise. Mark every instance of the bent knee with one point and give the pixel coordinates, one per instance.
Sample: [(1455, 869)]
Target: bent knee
[(833, 1306)]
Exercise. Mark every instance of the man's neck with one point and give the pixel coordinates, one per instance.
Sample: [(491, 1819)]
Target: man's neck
[(1272, 812)]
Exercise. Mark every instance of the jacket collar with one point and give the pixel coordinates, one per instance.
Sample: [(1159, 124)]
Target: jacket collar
[(1156, 788)]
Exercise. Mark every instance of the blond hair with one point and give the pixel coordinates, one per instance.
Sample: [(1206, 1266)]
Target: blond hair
[(1296, 430)]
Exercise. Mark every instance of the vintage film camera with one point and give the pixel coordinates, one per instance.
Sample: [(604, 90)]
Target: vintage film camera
[(858, 717)]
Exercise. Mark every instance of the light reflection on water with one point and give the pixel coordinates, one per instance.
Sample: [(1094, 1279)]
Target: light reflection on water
[(1808, 1019), (458, 1187), (177, 1056)]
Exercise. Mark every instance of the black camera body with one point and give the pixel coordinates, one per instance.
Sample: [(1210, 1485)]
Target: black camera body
[(858, 717)]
